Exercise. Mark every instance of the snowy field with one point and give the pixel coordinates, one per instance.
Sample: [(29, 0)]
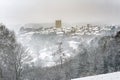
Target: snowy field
[(109, 76)]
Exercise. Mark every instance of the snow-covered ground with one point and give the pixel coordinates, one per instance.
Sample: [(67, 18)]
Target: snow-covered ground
[(43, 46), (109, 76)]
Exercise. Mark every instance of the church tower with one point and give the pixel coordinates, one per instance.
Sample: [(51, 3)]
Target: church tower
[(58, 24)]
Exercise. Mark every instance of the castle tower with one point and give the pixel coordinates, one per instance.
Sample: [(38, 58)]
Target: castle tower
[(58, 24)]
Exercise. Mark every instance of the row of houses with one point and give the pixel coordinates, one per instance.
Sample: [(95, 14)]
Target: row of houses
[(75, 30)]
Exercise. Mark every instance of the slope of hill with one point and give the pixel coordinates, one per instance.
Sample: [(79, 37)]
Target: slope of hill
[(109, 76), (44, 42)]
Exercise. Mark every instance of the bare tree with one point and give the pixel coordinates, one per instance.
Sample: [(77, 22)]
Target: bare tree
[(59, 55), (20, 58), (12, 56)]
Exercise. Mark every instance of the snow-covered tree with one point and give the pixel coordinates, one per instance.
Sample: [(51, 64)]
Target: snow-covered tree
[(59, 55), (12, 56)]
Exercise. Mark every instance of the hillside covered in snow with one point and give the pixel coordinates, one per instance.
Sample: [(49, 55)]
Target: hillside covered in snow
[(71, 52), (109, 76), (42, 39)]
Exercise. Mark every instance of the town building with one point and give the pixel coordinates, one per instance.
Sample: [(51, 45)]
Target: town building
[(58, 24)]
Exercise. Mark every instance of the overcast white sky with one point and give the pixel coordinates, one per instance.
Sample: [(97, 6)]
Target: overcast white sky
[(41, 11)]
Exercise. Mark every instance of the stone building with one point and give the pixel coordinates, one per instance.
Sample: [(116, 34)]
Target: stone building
[(58, 24)]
